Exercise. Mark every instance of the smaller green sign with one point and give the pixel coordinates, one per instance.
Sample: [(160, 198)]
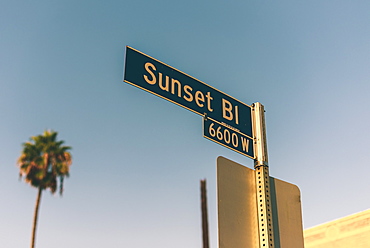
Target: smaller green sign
[(228, 136)]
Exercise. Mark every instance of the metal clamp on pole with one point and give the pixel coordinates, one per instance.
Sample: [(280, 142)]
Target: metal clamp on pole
[(259, 129), (265, 225)]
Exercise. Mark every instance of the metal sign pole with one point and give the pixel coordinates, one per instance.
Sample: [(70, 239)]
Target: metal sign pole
[(265, 225)]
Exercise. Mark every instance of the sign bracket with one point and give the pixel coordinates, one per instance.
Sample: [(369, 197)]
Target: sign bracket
[(264, 208)]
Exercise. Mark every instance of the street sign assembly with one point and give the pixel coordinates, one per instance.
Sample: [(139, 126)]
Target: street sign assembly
[(255, 210)]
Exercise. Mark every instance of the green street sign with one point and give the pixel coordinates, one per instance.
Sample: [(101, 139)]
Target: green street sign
[(177, 87)]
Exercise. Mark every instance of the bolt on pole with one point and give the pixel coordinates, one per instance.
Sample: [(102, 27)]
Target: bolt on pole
[(265, 225)]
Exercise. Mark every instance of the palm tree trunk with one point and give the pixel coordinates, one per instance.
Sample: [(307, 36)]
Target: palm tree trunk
[(35, 216)]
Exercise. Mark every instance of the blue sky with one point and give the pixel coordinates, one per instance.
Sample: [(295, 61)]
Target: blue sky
[(138, 159)]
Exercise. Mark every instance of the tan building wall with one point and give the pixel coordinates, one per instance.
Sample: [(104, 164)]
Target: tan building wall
[(349, 232)]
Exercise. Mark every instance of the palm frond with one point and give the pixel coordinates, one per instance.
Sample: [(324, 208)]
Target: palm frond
[(43, 160)]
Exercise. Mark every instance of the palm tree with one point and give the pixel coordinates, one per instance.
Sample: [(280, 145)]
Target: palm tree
[(43, 161)]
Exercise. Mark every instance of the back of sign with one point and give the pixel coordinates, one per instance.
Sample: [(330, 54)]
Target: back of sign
[(237, 208)]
